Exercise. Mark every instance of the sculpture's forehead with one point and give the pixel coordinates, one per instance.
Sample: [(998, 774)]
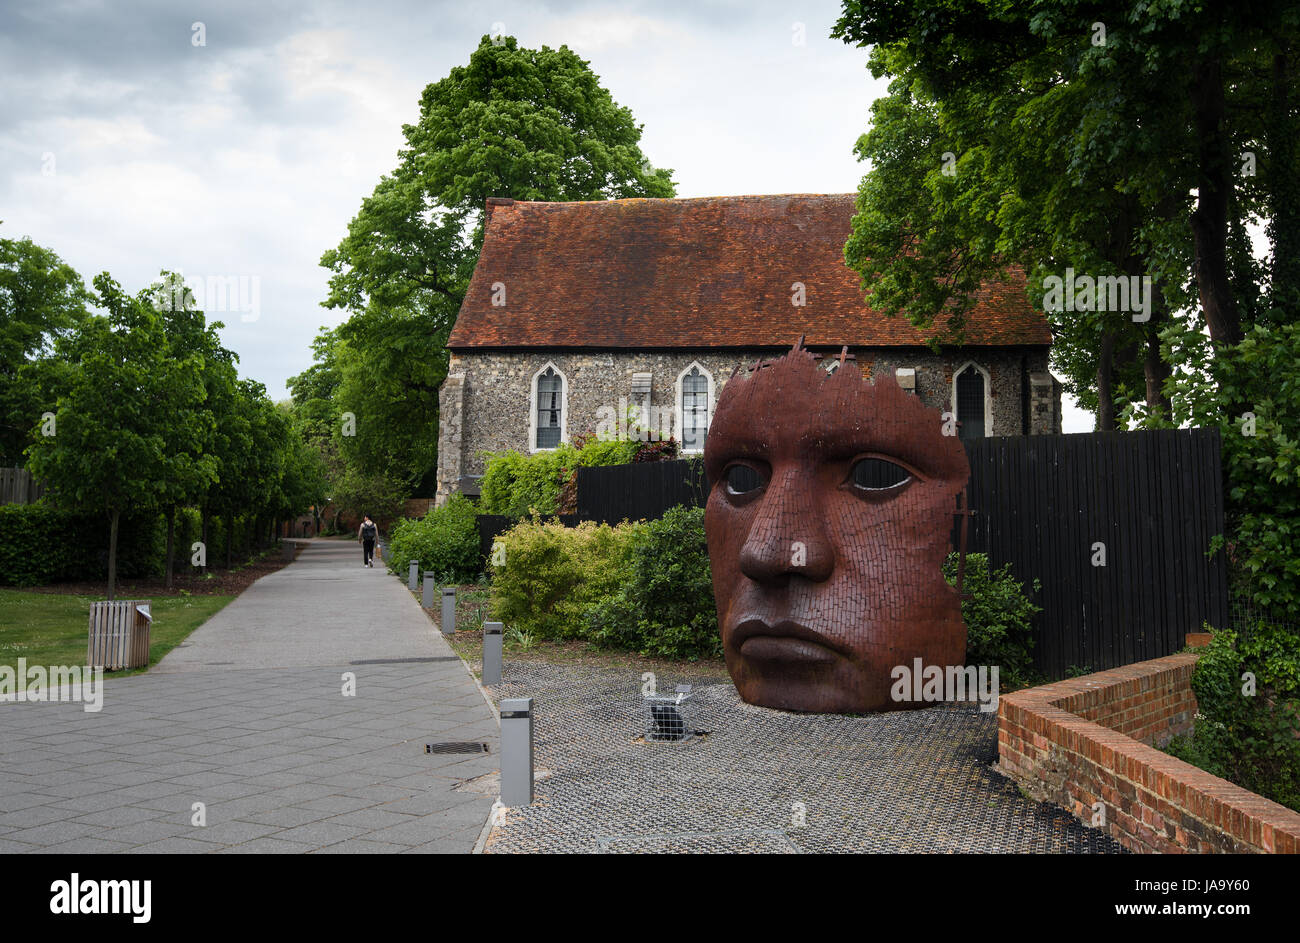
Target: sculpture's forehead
[(792, 410)]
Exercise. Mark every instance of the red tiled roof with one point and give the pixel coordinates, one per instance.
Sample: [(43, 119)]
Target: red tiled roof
[(711, 272)]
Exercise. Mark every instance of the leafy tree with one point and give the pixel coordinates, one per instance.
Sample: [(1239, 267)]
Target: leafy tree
[(193, 344), (41, 300), (305, 482), (523, 123), (1074, 146), (391, 364), (514, 122), (126, 411), (1261, 453)]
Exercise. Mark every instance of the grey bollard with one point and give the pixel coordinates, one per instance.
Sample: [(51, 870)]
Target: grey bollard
[(517, 751), (492, 638), (427, 599), (414, 577), (448, 610)]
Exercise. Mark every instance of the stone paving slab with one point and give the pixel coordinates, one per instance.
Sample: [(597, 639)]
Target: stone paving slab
[(249, 718)]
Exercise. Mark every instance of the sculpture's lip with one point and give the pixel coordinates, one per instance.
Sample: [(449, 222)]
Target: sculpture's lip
[(781, 640)]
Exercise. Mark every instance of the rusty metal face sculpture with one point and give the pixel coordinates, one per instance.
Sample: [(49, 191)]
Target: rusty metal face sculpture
[(828, 520)]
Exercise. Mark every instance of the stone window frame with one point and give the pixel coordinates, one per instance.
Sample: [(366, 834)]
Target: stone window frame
[(532, 407), (679, 415), (988, 395)]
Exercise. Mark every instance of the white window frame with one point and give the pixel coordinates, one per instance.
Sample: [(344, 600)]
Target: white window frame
[(988, 395), (679, 415), (532, 407)]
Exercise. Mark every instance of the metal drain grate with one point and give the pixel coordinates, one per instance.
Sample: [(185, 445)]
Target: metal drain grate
[(404, 661), (457, 746)]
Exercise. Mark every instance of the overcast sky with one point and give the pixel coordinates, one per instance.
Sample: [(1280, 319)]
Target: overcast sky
[(127, 147)]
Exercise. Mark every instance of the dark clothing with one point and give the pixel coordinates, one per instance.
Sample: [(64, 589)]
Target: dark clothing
[(368, 548)]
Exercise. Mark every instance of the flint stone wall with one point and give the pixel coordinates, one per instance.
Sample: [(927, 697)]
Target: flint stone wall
[(485, 403)]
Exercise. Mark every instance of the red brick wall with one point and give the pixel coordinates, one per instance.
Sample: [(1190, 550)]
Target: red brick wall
[(1089, 740)]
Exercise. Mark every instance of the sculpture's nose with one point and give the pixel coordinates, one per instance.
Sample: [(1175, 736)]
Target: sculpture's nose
[(788, 535)]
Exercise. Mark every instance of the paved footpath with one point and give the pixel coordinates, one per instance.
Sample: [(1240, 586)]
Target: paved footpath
[(249, 718)]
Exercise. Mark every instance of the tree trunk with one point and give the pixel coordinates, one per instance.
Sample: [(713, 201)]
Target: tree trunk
[(1210, 218), (171, 544), (112, 553), (1153, 365), (1105, 373), (1284, 222)]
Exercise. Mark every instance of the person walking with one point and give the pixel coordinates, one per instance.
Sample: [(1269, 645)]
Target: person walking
[(368, 533)]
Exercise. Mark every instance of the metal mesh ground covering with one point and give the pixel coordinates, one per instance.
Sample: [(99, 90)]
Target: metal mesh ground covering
[(907, 781)]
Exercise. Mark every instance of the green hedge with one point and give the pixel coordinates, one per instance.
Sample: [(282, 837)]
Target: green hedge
[(643, 586), (40, 544), (516, 485), (664, 606), (647, 587), (1247, 736), (445, 541), (552, 574)]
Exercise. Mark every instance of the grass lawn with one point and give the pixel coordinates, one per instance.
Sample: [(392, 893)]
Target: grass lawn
[(51, 629)]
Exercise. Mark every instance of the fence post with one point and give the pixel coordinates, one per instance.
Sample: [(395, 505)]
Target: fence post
[(517, 751), (492, 652), (413, 578), (426, 600), (448, 610)]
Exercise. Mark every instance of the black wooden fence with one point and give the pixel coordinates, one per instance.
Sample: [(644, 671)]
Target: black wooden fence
[(613, 493), (1151, 500), (18, 487)]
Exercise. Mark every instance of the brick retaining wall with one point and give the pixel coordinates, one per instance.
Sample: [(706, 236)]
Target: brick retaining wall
[(1092, 739)]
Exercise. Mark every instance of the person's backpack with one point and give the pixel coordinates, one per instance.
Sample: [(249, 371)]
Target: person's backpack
[(368, 531)]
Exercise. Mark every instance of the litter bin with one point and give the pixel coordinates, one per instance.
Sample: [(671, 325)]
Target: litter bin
[(119, 634)]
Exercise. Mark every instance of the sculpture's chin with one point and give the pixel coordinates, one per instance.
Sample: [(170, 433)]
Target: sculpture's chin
[(836, 685)]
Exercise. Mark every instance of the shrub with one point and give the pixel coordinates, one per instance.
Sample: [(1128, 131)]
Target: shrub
[(544, 483), (445, 541), (1248, 739), (998, 617), (41, 544), (662, 450), (665, 607), (551, 574), (1253, 398), (607, 452), (519, 485)]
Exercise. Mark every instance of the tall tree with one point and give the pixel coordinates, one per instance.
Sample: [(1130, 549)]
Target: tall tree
[(531, 124), (41, 299), (126, 409), (1077, 130), (191, 341)]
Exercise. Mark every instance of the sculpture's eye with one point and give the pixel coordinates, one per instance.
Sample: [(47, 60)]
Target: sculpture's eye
[(742, 479), (879, 476)]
